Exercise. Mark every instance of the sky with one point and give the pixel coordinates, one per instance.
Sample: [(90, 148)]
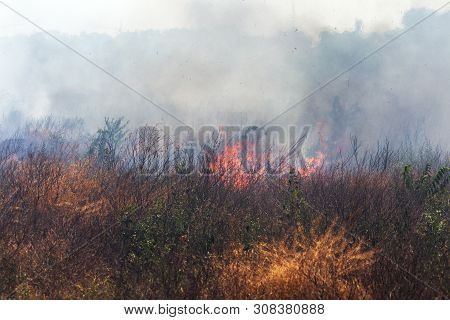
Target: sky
[(215, 62), (262, 17)]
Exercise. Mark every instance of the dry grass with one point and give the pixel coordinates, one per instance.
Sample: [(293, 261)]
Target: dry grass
[(312, 265), (190, 237)]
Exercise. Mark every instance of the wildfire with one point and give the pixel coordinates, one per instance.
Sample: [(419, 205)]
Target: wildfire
[(233, 170), (312, 164)]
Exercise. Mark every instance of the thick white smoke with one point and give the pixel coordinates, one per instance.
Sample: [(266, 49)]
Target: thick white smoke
[(216, 74)]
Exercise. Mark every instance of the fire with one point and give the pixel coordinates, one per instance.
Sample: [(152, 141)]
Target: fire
[(311, 165), (231, 167)]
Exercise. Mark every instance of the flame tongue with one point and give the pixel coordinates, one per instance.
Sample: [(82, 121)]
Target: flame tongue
[(233, 162), (231, 166), (311, 165)]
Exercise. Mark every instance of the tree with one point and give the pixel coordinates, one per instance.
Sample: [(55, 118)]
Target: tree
[(107, 141)]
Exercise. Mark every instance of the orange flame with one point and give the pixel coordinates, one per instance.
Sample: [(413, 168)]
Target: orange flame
[(231, 168), (312, 165)]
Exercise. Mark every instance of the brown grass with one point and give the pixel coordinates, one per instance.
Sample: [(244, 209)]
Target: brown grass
[(312, 265), (190, 237)]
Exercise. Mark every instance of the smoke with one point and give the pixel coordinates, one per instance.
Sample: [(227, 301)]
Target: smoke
[(219, 72)]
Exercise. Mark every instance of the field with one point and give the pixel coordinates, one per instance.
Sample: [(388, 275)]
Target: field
[(90, 225)]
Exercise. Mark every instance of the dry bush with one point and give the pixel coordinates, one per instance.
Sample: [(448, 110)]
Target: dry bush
[(313, 265), (49, 208), (192, 236), (78, 190)]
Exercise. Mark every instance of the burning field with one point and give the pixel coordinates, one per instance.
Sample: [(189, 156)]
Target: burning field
[(224, 150), (101, 225)]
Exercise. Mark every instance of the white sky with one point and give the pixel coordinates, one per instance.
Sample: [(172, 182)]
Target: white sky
[(261, 17)]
